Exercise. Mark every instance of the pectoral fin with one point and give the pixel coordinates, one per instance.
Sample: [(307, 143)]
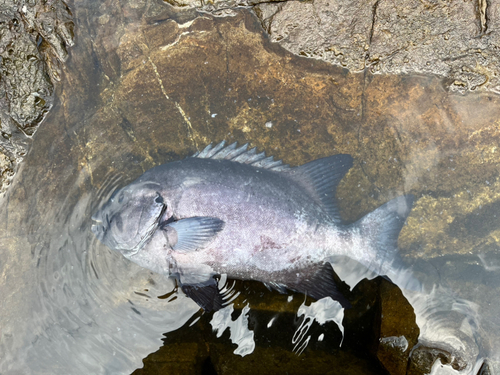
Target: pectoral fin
[(205, 294), (319, 284), (192, 233)]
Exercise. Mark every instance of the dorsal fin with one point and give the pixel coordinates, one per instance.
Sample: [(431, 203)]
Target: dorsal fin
[(321, 178), (241, 155)]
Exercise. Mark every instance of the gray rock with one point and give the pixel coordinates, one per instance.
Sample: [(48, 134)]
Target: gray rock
[(453, 40), (33, 40)]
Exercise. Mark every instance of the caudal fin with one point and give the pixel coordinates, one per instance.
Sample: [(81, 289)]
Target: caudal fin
[(382, 228)]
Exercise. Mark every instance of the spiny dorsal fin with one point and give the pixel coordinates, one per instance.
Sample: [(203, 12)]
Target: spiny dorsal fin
[(321, 178), (241, 155)]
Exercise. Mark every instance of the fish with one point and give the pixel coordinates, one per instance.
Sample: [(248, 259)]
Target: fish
[(231, 210)]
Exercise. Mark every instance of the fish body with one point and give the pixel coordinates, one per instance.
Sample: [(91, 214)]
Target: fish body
[(232, 211)]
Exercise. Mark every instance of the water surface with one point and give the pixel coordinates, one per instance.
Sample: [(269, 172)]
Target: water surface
[(145, 85)]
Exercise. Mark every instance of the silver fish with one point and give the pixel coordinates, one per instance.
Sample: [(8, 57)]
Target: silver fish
[(230, 210)]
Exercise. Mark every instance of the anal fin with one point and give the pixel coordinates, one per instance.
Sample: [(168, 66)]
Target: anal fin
[(319, 284)]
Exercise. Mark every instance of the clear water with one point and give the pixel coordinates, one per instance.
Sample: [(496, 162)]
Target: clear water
[(139, 91)]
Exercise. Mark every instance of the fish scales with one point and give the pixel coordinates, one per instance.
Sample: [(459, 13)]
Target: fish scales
[(217, 213), (253, 200)]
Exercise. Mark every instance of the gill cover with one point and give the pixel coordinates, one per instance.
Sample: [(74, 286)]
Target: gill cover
[(130, 217)]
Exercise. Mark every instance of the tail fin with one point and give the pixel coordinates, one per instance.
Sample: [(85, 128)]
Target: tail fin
[(382, 228)]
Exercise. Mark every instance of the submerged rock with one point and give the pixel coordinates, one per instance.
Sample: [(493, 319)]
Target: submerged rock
[(379, 310), (382, 322), (148, 84)]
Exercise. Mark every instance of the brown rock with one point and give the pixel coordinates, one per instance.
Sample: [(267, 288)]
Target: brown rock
[(274, 350), (146, 85), (382, 322), (398, 330)]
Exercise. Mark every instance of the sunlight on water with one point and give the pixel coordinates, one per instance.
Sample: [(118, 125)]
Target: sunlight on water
[(322, 311), (240, 334)]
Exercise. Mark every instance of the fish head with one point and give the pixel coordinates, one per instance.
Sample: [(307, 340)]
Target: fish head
[(128, 220)]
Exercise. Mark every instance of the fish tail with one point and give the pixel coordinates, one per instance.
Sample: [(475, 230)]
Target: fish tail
[(381, 227)]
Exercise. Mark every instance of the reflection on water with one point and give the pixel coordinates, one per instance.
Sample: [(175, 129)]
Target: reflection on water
[(138, 93), (322, 311)]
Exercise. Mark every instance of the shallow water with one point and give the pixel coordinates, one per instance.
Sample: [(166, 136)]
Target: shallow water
[(140, 90)]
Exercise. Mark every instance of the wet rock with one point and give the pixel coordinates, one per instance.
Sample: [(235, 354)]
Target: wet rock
[(423, 358), (219, 7), (451, 39), (34, 36), (148, 84), (187, 357), (398, 330), (383, 322), (273, 318)]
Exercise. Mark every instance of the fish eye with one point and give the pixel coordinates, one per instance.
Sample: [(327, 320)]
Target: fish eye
[(159, 198)]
